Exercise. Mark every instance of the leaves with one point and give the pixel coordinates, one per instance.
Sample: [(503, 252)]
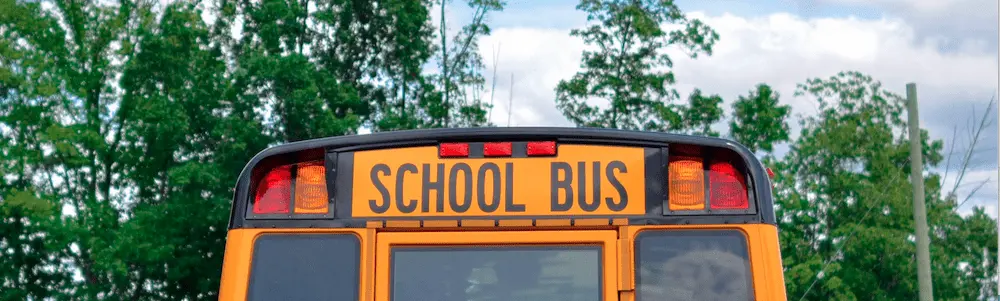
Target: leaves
[(122, 124), (759, 121), (627, 67), (844, 199)]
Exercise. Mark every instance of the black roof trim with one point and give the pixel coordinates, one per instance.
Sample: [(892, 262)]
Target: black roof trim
[(756, 169)]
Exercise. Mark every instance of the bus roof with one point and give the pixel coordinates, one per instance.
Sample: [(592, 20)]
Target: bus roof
[(759, 187)]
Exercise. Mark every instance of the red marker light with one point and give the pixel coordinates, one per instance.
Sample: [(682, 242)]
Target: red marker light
[(497, 149), (453, 150), (542, 148)]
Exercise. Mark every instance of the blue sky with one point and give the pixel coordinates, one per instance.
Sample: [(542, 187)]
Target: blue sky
[(948, 47)]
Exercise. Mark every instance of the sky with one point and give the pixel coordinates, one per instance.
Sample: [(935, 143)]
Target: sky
[(947, 47)]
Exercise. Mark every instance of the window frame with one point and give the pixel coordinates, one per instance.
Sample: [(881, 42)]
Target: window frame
[(358, 246), (605, 240), (653, 232)]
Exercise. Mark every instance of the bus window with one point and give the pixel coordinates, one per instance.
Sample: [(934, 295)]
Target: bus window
[(496, 274), (305, 267), (698, 265)]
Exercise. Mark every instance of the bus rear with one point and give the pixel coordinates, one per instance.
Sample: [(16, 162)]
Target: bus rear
[(504, 214)]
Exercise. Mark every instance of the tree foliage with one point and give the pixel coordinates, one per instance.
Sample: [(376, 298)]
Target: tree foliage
[(629, 69), (845, 207), (122, 124), (759, 120)]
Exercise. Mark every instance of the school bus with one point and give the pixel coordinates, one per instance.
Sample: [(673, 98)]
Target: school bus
[(504, 214)]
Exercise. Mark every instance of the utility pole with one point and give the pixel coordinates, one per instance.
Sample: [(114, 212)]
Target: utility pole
[(919, 209)]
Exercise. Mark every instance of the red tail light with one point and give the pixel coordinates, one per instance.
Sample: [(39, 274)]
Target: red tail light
[(728, 187), (274, 192)]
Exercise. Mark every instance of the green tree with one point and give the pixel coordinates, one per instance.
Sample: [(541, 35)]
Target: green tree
[(844, 203), (124, 139), (58, 115), (185, 138), (451, 95), (629, 69), (310, 78), (701, 113), (759, 120)]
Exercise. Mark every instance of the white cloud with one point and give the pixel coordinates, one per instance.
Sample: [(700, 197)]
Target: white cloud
[(779, 49), (958, 23)]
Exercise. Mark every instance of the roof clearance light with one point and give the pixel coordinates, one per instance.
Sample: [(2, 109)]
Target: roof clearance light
[(310, 189), (453, 150), (274, 192), (687, 184), (541, 148), (728, 187), (497, 149)]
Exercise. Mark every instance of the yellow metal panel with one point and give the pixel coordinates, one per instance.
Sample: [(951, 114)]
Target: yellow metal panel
[(239, 253), (765, 258)]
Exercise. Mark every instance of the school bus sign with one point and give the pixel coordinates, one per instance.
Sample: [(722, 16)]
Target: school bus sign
[(587, 180)]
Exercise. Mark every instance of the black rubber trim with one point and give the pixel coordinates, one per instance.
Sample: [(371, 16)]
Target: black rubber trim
[(761, 190), (635, 220)]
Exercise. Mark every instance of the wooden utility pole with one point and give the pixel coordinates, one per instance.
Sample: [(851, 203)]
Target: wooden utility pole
[(926, 286)]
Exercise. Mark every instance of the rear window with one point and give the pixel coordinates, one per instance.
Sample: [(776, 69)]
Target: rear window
[(702, 265), (496, 274), (305, 267)]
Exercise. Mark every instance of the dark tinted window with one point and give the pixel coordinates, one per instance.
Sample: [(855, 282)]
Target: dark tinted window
[(704, 265), (305, 267), (496, 274)]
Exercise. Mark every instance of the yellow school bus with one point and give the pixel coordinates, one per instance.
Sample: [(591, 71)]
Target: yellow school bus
[(498, 214)]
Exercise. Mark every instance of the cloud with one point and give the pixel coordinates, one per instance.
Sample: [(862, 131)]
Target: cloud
[(954, 24), (779, 49)]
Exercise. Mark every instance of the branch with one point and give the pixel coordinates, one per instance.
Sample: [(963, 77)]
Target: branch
[(973, 192), (972, 145), (951, 151), (496, 58), (476, 21)]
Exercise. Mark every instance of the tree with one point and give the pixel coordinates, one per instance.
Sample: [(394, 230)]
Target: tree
[(451, 96), (627, 68), (461, 67), (126, 123), (759, 121), (308, 68), (701, 113), (59, 65), (185, 138), (845, 210)]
